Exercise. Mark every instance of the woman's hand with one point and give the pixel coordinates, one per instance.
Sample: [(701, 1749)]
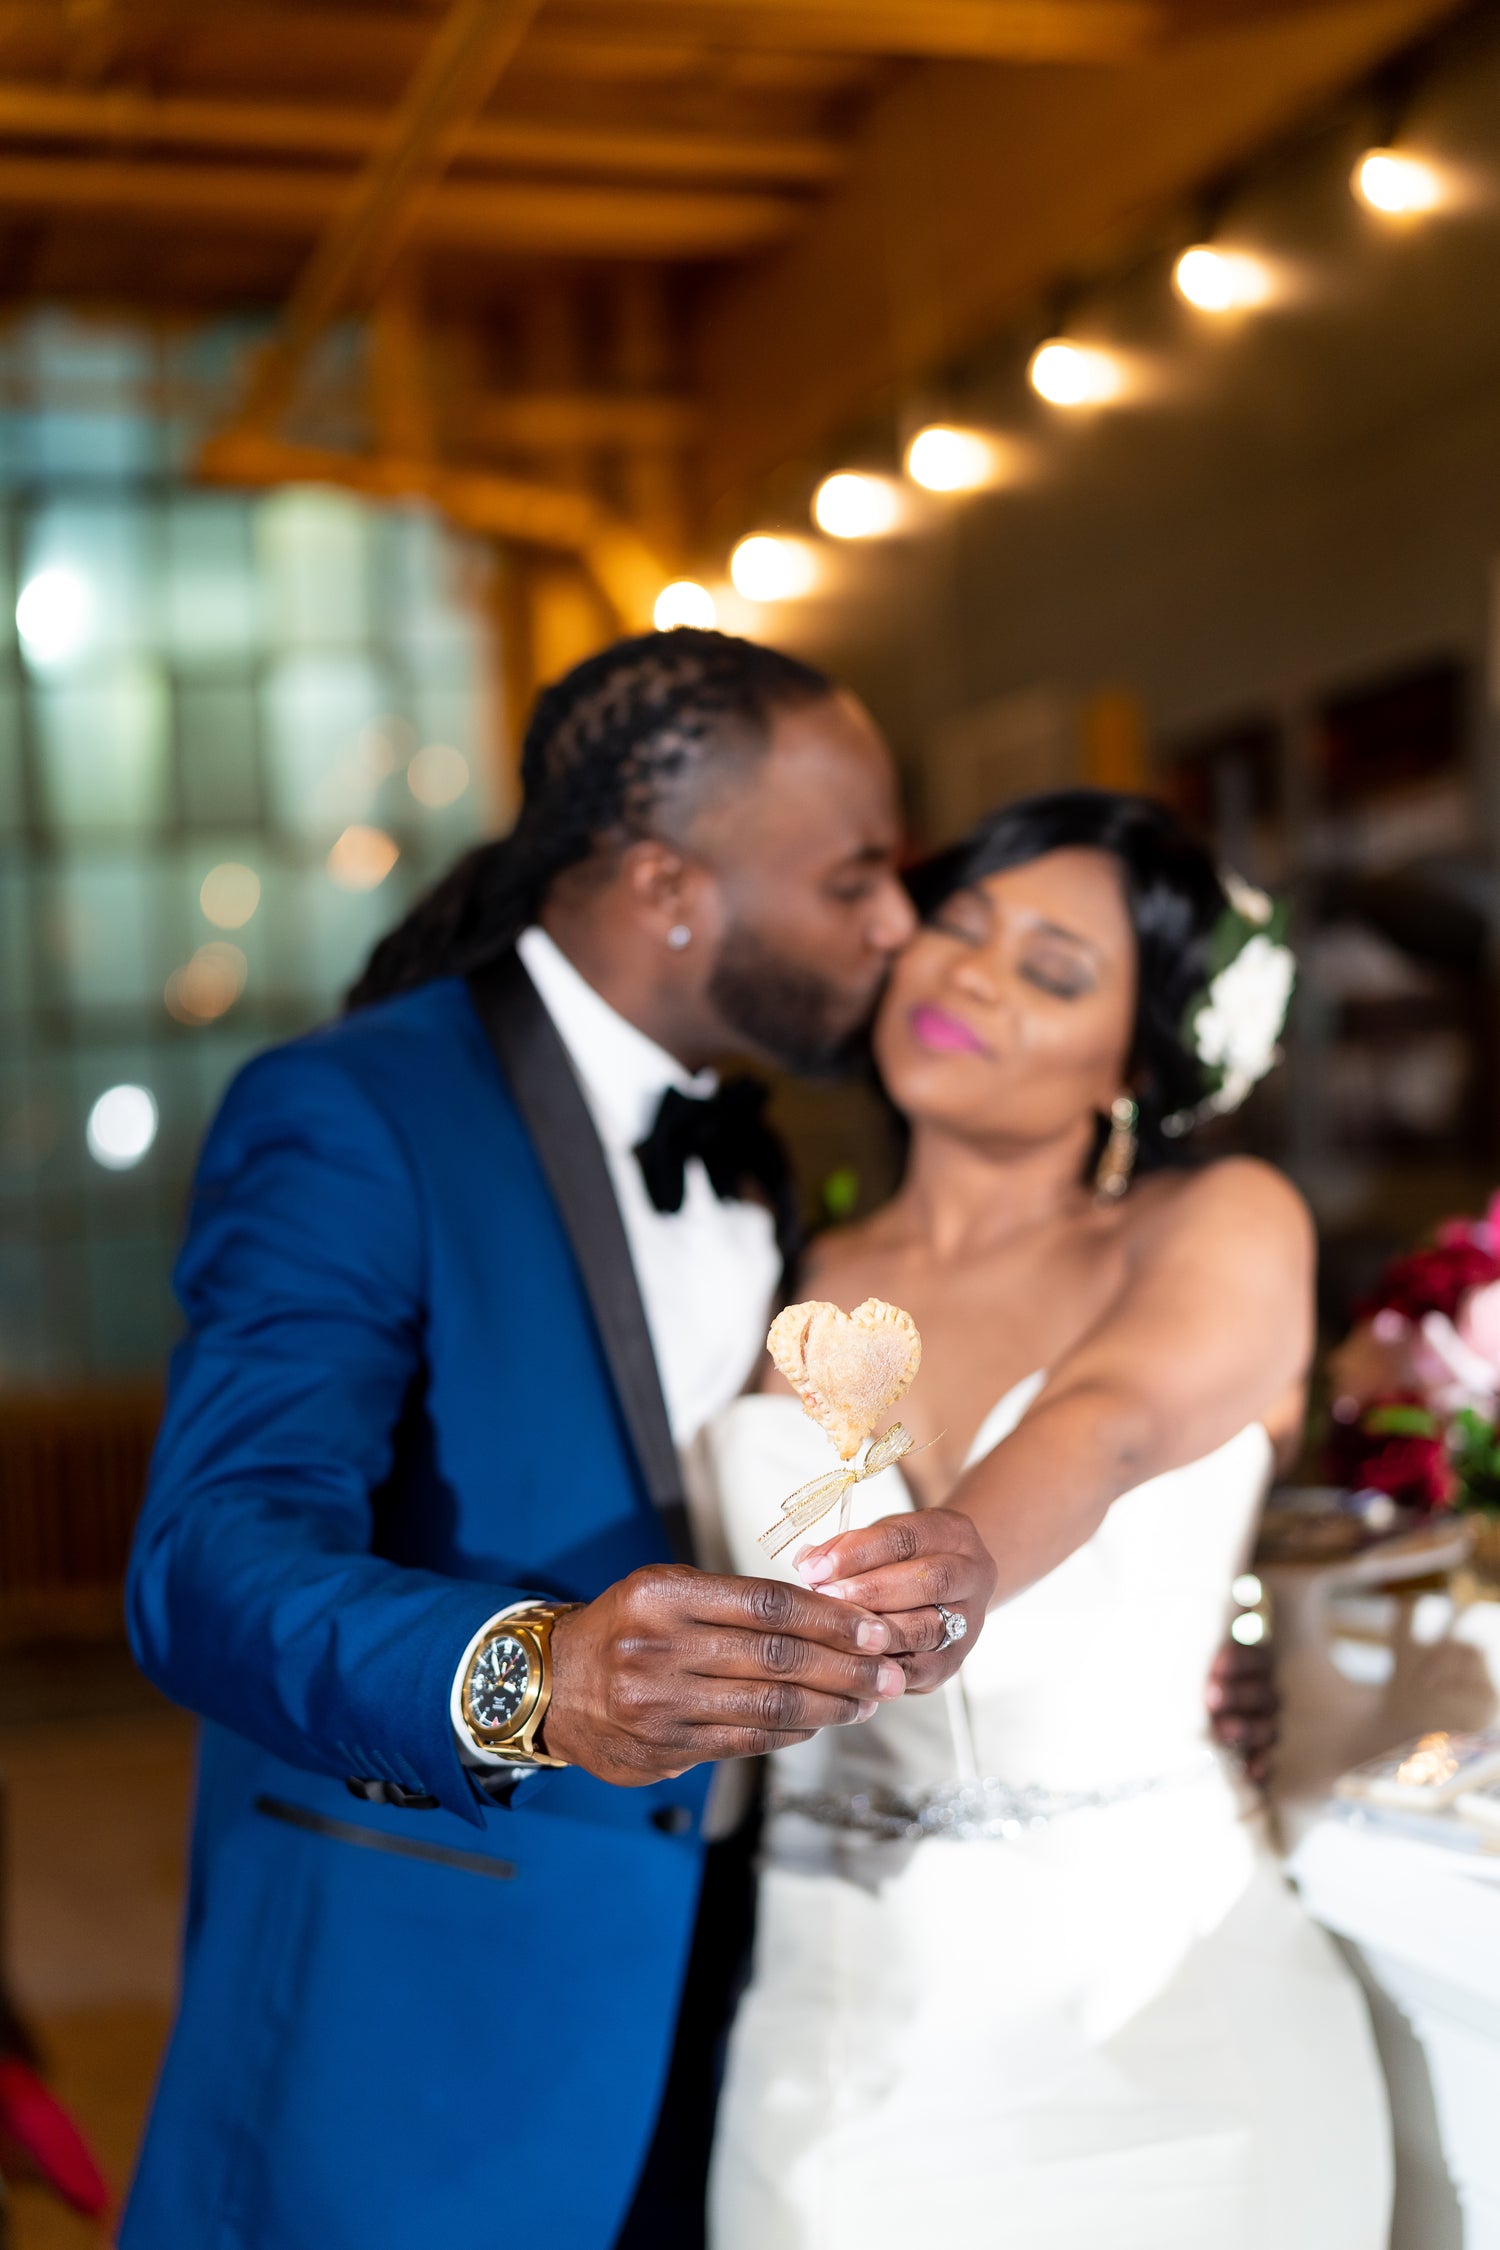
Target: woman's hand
[(901, 1568)]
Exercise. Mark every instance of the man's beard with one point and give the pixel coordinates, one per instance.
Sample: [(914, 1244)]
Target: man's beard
[(785, 1010)]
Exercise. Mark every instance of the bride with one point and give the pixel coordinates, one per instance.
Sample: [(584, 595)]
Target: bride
[(1026, 1971)]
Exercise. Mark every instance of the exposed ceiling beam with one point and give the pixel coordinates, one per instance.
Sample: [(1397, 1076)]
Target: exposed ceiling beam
[(1020, 31), (517, 218), (541, 421), (473, 44), (625, 567), (135, 121), (983, 189)]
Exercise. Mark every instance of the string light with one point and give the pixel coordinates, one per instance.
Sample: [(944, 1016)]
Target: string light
[(768, 568), (852, 505), (1220, 281), (1398, 185), (943, 459), (1073, 374), (685, 602)]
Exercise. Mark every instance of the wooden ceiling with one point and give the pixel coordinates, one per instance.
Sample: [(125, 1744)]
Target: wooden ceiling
[(611, 261)]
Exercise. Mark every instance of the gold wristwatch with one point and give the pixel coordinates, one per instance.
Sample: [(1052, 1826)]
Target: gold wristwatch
[(508, 1684)]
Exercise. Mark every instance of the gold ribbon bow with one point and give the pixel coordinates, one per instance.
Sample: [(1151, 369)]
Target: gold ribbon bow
[(804, 1507)]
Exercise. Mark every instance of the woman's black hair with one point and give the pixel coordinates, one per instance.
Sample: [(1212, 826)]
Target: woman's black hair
[(1174, 896), (605, 745)]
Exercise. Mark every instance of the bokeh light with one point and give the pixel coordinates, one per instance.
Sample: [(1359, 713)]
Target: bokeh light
[(121, 1127), (1073, 374), (943, 459), (685, 602), (53, 611), (1400, 186), (1220, 281), (852, 505), (208, 985), (768, 568), (362, 858), (230, 894), (438, 775)]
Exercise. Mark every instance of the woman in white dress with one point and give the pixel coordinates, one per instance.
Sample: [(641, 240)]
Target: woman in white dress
[(1026, 1972)]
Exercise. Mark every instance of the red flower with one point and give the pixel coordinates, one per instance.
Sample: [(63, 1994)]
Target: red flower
[(1433, 1280), (1411, 1468)]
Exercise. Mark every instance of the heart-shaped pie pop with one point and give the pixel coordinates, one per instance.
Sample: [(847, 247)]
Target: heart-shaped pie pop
[(848, 1369)]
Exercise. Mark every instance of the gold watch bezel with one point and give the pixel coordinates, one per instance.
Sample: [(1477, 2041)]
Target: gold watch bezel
[(517, 1741)]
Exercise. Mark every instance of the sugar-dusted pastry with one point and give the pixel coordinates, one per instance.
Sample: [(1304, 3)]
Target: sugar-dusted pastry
[(848, 1369)]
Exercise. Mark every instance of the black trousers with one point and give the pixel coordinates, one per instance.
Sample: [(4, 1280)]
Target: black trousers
[(669, 2210)]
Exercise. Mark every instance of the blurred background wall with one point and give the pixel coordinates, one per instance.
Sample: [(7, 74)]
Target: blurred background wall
[(363, 363)]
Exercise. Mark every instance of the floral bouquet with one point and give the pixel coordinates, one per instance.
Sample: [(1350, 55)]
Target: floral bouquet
[(1415, 1386)]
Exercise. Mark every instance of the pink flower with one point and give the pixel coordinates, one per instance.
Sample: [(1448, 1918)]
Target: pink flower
[(1478, 1323), (1448, 1374)]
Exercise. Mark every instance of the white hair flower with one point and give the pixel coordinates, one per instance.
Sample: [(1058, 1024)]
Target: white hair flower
[(1237, 1024), (1233, 1026)]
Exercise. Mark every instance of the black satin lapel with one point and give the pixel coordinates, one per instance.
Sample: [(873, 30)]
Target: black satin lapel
[(536, 1068)]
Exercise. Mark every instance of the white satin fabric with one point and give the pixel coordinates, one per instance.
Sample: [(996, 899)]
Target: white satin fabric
[(1116, 2028)]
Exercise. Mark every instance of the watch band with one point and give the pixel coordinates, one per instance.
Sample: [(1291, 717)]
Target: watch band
[(517, 1743)]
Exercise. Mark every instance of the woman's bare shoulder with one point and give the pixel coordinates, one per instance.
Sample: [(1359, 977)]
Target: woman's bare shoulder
[(1239, 1196)]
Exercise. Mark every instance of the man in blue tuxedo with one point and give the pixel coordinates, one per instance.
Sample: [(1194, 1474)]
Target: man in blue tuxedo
[(464, 1273)]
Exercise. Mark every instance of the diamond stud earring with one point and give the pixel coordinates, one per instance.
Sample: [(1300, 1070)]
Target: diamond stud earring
[(678, 936)]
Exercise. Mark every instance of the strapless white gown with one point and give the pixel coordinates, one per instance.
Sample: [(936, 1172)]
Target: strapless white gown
[(1082, 2008)]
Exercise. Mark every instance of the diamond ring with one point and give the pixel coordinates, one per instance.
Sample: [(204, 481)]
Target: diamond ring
[(955, 1625)]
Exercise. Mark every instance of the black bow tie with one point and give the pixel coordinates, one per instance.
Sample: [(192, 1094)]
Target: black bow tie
[(727, 1130)]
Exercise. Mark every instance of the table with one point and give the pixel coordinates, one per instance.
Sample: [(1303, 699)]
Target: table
[(1422, 1926)]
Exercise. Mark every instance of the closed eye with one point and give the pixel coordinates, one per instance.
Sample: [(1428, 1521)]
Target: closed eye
[(1065, 980)]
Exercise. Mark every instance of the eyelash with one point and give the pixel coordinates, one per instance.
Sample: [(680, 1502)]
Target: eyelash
[(1054, 985)]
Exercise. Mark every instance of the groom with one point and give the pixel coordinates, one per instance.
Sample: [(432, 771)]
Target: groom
[(465, 1274)]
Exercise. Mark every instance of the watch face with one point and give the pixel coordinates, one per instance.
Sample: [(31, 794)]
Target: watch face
[(498, 1682)]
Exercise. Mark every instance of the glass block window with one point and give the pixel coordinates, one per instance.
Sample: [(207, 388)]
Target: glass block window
[(238, 733)]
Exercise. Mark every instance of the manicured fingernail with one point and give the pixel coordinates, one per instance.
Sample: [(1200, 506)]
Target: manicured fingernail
[(874, 1636), (866, 1709), (816, 1569), (891, 1680)]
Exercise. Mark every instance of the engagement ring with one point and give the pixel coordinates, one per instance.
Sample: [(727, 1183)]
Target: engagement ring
[(955, 1625)]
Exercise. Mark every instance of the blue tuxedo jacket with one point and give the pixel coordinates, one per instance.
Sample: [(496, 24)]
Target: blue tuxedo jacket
[(415, 1386)]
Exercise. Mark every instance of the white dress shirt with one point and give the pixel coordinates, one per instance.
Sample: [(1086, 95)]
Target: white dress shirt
[(707, 1273)]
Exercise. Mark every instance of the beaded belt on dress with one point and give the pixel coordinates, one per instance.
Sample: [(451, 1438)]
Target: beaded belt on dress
[(968, 1811)]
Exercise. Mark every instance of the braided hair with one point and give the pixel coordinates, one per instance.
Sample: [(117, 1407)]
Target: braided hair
[(606, 744)]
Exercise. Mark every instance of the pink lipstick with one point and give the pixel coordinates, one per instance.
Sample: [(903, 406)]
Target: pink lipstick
[(942, 1034)]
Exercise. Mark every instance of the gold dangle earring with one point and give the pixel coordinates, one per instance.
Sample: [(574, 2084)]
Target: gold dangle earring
[(1118, 1160)]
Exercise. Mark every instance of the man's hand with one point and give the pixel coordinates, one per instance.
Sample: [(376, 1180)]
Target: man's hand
[(901, 1568), (1244, 1708), (671, 1667)]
